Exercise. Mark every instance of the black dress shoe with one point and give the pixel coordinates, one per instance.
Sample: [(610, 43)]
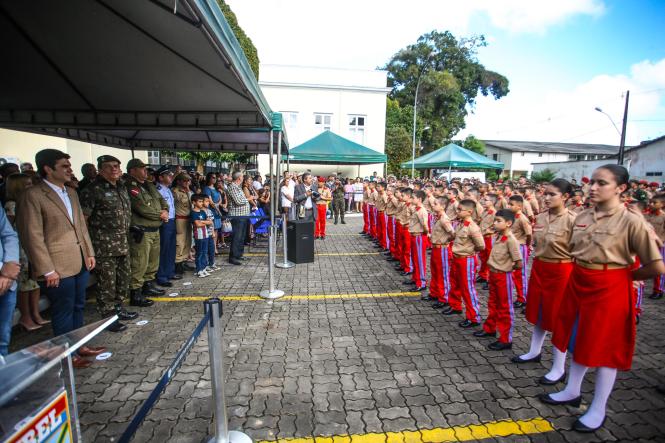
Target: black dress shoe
[(450, 311), (233, 261), (116, 326), (126, 315), (408, 282), (176, 277), (482, 334), (499, 346), (656, 296), (242, 258), (519, 304), (153, 285), (387, 254), (575, 402), (481, 280), (406, 273), (467, 324), (547, 382), (439, 305), (486, 287), (164, 284), (141, 302), (581, 427), (147, 290), (424, 288), (517, 359)]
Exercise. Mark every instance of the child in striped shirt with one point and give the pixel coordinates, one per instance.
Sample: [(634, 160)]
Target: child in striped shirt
[(202, 239)]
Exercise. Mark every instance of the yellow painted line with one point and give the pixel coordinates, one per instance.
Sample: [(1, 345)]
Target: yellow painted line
[(504, 428), (289, 297), (329, 254)]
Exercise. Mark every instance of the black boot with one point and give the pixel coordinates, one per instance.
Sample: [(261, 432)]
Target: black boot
[(342, 219), (153, 285), (147, 289), (335, 220), (136, 298)]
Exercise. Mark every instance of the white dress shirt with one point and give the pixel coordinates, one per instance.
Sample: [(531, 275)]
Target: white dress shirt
[(62, 193), (308, 202)]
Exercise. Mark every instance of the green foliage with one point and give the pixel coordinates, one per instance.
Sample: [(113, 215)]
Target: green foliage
[(398, 149), (491, 175), (473, 144), (546, 175), (450, 79), (245, 42)]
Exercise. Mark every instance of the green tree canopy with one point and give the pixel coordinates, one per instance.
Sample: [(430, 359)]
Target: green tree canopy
[(450, 77), (245, 42), (472, 144)]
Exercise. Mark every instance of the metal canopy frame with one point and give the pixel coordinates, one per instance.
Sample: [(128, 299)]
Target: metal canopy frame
[(153, 74)]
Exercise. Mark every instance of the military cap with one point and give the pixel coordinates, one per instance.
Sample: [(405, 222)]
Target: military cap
[(135, 163), (164, 170), (183, 176), (106, 158)]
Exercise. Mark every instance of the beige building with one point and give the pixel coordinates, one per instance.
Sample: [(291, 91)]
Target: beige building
[(18, 147)]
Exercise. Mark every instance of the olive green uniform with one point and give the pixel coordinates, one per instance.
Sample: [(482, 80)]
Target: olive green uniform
[(338, 203), (147, 205), (108, 213), (183, 224)]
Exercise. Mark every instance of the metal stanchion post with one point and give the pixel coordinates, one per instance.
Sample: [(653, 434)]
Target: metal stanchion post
[(213, 309), (285, 264), (271, 292)]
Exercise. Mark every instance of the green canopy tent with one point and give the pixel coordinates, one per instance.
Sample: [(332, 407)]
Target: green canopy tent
[(328, 148), (453, 156)]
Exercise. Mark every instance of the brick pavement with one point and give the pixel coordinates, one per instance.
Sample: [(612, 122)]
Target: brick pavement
[(342, 366)]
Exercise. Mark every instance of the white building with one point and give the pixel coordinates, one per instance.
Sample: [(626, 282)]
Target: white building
[(350, 103), (519, 157), (645, 161)]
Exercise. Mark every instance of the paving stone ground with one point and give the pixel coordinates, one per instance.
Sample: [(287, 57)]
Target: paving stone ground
[(321, 367)]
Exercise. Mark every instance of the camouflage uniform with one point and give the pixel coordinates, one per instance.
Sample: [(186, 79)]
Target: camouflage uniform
[(338, 203), (108, 213), (147, 205)]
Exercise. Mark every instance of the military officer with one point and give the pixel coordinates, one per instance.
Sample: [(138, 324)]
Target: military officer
[(166, 270), (183, 225), (107, 210), (149, 211), (338, 203)]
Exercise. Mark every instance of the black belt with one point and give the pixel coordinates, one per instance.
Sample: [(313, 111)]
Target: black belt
[(147, 229)]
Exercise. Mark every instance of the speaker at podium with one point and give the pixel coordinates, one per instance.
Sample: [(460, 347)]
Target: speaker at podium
[(300, 241)]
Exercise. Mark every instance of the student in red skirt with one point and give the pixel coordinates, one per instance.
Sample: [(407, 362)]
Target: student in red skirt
[(551, 268), (596, 319)]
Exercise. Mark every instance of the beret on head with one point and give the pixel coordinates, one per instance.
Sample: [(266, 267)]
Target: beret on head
[(585, 179), (322, 179)]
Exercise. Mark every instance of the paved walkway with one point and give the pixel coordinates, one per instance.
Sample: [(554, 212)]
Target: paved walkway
[(347, 354)]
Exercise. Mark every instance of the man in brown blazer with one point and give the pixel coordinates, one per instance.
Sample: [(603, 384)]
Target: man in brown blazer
[(53, 233)]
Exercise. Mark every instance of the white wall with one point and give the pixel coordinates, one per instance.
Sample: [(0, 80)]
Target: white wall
[(23, 146), (515, 161), (338, 92), (638, 161)]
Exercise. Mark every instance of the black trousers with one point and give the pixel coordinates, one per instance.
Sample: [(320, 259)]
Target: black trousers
[(238, 238)]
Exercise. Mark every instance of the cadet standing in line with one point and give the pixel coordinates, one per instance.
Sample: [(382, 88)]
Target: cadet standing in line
[(183, 224), (149, 210), (167, 232), (107, 210)]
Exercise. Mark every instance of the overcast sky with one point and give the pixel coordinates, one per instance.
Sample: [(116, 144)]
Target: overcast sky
[(563, 57)]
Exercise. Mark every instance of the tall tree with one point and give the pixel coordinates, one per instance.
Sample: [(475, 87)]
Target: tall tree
[(245, 42), (448, 76)]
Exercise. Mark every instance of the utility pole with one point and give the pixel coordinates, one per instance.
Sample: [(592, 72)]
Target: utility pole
[(623, 129)]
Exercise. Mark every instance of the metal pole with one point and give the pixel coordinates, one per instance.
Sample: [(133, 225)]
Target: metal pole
[(413, 151), (623, 129), (271, 292), (75, 406), (285, 263), (213, 309)]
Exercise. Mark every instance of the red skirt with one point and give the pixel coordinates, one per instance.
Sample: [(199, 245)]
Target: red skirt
[(596, 320), (547, 283)]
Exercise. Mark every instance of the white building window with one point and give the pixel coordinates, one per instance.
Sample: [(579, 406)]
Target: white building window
[(290, 119), (357, 128), (153, 158), (323, 122)]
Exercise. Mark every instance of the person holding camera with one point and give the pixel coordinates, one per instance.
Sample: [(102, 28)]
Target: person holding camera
[(304, 196)]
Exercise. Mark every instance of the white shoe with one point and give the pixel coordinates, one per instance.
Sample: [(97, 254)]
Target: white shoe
[(209, 269), (202, 274), (215, 268)]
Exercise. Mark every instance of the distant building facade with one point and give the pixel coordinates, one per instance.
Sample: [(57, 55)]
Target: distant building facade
[(520, 157), (350, 103), (645, 161)]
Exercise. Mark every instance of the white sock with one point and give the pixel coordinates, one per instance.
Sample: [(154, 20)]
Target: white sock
[(558, 365), (537, 339), (574, 386), (595, 415)]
